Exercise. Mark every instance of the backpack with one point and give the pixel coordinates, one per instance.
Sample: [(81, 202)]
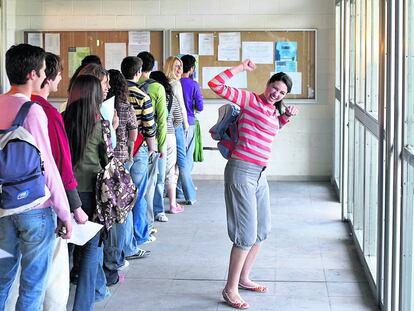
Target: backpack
[(115, 190), (22, 180), (225, 130), (144, 86)]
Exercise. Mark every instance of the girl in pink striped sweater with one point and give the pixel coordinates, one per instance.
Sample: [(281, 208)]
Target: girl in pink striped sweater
[(246, 187)]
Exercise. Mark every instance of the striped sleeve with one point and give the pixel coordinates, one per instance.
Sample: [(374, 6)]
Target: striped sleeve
[(147, 117), (235, 95)]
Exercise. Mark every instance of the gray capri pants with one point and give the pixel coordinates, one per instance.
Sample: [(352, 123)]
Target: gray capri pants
[(246, 192)]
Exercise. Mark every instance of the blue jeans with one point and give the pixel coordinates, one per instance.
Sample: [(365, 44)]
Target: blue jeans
[(90, 263), (152, 182), (188, 188), (190, 145), (158, 203), (139, 174), (29, 237), (113, 255)]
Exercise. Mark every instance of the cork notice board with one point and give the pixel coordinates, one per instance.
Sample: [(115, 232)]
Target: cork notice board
[(95, 41), (303, 41)]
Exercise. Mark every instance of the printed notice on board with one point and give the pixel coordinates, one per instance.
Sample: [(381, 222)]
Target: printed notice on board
[(138, 41), (205, 44), (239, 80), (75, 56), (52, 43), (35, 38), (258, 52), (114, 54), (286, 56), (186, 43)]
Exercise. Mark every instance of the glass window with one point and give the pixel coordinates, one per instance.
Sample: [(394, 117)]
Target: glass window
[(360, 54), (359, 182), (352, 47), (338, 141), (373, 45), (338, 46), (371, 202), (409, 107), (351, 164)]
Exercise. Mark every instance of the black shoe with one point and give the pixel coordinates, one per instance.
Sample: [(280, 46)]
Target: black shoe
[(140, 254)]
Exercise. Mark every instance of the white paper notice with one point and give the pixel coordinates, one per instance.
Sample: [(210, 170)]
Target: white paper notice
[(205, 44), (258, 52), (52, 43), (186, 43), (35, 38), (239, 80), (83, 233), (230, 38), (4, 254), (139, 37), (228, 53), (114, 54), (134, 49), (296, 82)]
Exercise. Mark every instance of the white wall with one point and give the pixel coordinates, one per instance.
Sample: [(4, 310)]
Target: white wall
[(303, 150)]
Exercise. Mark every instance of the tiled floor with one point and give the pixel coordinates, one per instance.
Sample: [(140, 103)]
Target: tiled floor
[(309, 262)]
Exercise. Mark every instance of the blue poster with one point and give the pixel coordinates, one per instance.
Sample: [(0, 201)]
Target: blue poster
[(286, 56)]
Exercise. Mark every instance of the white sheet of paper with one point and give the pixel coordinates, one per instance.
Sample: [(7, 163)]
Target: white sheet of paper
[(114, 54), (296, 81), (230, 38), (83, 233), (52, 43), (35, 38), (139, 37), (134, 49), (205, 44), (4, 254), (186, 43), (108, 111), (258, 52), (228, 53), (239, 80)]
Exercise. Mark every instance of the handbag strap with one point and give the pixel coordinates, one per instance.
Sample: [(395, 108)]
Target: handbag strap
[(106, 133)]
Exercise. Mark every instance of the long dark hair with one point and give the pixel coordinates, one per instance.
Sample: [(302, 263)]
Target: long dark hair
[(85, 99), (119, 87), (283, 77), (162, 79)]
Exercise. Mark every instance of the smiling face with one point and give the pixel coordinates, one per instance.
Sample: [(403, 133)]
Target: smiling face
[(275, 91), (178, 69)]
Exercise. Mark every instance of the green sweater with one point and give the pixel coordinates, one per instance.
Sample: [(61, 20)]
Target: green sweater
[(93, 160), (159, 102)]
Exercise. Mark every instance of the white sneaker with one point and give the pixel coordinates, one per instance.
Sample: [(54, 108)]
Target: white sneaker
[(125, 265), (161, 217)]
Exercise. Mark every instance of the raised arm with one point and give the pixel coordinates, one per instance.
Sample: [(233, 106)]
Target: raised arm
[(235, 95)]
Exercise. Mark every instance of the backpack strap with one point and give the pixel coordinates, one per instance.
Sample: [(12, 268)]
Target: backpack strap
[(21, 115), (170, 101), (106, 133)]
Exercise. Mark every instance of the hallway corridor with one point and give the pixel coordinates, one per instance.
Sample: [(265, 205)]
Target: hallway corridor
[(308, 263)]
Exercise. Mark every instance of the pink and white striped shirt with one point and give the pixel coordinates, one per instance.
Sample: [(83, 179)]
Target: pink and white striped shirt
[(258, 122)]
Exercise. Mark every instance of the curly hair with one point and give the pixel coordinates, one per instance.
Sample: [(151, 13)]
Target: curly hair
[(119, 86)]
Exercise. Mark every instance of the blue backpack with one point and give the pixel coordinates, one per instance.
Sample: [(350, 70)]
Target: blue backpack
[(225, 130), (22, 182)]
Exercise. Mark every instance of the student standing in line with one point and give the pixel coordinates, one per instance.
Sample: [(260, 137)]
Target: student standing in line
[(29, 236), (57, 291), (246, 187), (83, 126), (173, 70), (157, 93), (126, 134), (174, 120), (141, 102), (193, 99)]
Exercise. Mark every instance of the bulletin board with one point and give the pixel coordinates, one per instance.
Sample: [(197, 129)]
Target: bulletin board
[(95, 41), (256, 80)]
